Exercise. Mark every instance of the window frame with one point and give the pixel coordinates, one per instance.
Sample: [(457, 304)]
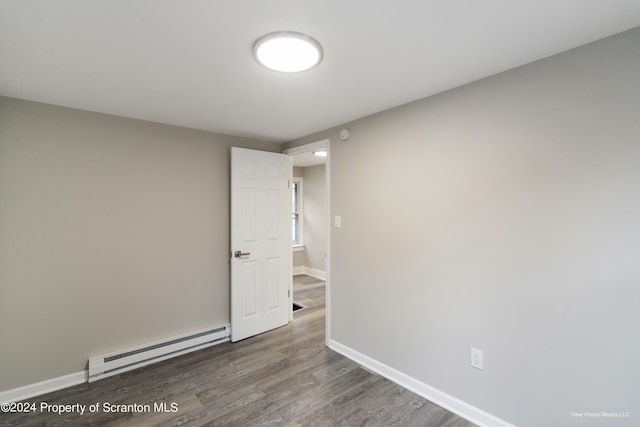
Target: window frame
[(297, 182)]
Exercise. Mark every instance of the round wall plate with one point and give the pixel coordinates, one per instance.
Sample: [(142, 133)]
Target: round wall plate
[(344, 134)]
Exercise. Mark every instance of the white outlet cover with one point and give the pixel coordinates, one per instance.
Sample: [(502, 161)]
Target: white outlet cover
[(476, 358)]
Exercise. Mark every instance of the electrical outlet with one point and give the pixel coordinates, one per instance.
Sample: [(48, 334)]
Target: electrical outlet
[(476, 358)]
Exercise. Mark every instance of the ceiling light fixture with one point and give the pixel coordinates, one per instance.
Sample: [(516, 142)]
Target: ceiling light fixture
[(287, 51), (320, 153)]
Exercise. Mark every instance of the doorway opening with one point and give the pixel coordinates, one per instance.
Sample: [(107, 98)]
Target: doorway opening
[(310, 217)]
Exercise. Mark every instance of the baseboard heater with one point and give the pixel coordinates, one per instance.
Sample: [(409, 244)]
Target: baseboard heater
[(116, 363)]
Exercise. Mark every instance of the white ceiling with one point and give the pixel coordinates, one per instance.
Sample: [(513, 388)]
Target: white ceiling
[(189, 62), (304, 160)]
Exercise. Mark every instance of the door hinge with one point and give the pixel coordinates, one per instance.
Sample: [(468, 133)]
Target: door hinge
[(289, 293)]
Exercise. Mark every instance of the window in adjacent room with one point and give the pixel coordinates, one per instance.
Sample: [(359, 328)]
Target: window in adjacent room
[(296, 214)]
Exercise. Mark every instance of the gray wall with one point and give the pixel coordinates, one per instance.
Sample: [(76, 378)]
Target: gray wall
[(315, 217), (502, 215), (113, 233)]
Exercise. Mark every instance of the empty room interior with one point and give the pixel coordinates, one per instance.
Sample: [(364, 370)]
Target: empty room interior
[(448, 191)]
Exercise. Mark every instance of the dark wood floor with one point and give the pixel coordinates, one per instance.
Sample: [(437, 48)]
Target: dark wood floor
[(283, 377)]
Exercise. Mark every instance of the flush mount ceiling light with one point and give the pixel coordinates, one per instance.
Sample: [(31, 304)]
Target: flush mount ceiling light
[(320, 153), (287, 51)]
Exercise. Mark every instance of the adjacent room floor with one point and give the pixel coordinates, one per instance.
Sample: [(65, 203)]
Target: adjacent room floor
[(283, 377)]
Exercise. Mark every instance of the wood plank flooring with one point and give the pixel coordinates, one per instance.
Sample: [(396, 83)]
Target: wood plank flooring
[(282, 377)]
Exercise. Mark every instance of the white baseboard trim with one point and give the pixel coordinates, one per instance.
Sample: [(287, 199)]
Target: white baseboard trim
[(313, 272), (43, 387), (453, 404)]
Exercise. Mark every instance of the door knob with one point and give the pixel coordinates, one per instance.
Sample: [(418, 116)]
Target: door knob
[(238, 254)]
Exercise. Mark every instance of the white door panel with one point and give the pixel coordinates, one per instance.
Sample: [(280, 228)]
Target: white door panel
[(260, 277)]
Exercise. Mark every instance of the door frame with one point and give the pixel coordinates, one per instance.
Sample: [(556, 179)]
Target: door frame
[(313, 146)]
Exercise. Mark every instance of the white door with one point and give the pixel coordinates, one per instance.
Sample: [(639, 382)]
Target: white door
[(260, 242)]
